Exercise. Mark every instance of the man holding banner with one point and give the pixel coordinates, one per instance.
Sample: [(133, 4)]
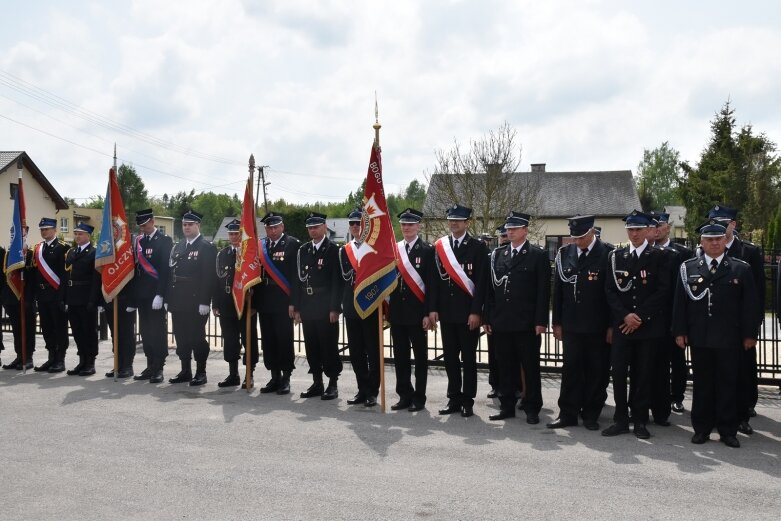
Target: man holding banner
[(408, 312), (272, 300), (49, 284), (457, 302)]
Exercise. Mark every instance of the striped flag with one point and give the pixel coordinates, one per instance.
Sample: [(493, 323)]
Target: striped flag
[(14, 260), (114, 255), (247, 272)]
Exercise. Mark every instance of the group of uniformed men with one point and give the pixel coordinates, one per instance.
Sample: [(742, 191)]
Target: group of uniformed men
[(628, 313)]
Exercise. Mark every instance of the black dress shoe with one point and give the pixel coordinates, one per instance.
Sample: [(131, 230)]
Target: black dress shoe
[(415, 407), (110, 374), (502, 415), (72, 372), (745, 428), (146, 374), (730, 441), (401, 404), (43, 367), (284, 386), (231, 381), (127, 372), (87, 370), (331, 392), (16, 364), (271, 387), (678, 407), (700, 437), (450, 409), (28, 365), (591, 425), (56, 367), (641, 432), (662, 423), (316, 389), (156, 377), (371, 401), (752, 412), (198, 379), (532, 418), (466, 411), (615, 430), (182, 377), (561, 423), (357, 399), (492, 393)]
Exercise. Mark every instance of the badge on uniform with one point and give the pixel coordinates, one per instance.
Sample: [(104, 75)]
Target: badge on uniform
[(319, 264), (148, 252)]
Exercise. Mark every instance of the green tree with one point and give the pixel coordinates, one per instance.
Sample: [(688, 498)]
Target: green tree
[(132, 189), (214, 208), (658, 176)]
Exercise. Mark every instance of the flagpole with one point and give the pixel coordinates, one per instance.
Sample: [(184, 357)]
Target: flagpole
[(115, 339), (247, 295), (379, 308), (23, 318)]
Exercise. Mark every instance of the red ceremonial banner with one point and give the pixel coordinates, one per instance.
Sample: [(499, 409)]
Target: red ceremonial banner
[(247, 272), (114, 256)]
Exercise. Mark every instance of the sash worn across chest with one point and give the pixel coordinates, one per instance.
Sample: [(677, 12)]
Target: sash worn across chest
[(271, 269), (409, 273), (143, 261), (44, 269), (447, 258)]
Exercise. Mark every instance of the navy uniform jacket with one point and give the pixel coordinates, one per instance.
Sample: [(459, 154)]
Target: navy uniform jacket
[(405, 308), (268, 296), (7, 296), (54, 255), (648, 295), (581, 306), (347, 275), (520, 301), (223, 289), (83, 286), (452, 303), (192, 275), (157, 251), (317, 288), (728, 317), (752, 255)]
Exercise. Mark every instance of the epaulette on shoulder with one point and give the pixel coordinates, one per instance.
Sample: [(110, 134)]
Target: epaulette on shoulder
[(62, 243), (536, 247), (741, 261)]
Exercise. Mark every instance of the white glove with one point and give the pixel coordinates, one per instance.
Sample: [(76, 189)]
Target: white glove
[(66, 308), (157, 302), (166, 306), (101, 309), (203, 310), (129, 309)]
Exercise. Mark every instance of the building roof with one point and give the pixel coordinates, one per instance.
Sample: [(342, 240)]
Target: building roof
[(677, 214), (8, 160), (222, 232), (563, 194)]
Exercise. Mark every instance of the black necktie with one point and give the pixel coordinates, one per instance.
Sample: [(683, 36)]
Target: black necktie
[(514, 253), (714, 265), (582, 257), (406, 245), (455, 244)]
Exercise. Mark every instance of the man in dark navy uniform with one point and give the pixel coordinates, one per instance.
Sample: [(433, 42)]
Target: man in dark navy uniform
[(715, 314), (457, 298), (638, 289), (752, 254), (363, 341), (493, 364), (408, 312), (581, 320), (234, 329), (152, 250), (517, 315), (189, 296), (317, 303), (81, 298), (272, 298), (49, 282), (12, 307)]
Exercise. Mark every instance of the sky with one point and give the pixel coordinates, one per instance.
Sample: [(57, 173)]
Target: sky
[(188, 90)]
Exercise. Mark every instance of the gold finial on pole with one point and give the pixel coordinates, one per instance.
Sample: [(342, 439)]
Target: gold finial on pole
[(376, 122)]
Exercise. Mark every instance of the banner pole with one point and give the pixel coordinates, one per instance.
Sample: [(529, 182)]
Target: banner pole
[(382, 358), (248, 339), (115, 339), (23, 322)]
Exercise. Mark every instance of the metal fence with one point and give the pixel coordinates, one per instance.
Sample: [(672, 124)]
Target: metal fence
[(551, 355)]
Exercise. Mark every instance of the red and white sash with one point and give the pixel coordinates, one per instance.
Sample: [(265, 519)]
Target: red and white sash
[(350, 251), (409, 273), (447, 258), (44, 268)]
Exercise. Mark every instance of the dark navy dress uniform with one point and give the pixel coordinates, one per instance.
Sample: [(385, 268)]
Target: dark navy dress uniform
[(155, 249), (405, 314), (11, 305), (191, 285), (126, 321), (234, 329), (82, 294), (317, 292), (580, 308), (51, 301), (517, 302), (716, 311), (637, 284), (454, 305), (272, 303)]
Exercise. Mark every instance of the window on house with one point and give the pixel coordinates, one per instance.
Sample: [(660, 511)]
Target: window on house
[(14, 187), (554, 242), (162, 229), (63, 224)]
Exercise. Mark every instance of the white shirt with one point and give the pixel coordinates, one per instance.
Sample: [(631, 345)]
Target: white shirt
[(518, 249), (589, 247), (412, 243), (640, 249), (190, 243), (708, 260), (458, 240), (317, 245)]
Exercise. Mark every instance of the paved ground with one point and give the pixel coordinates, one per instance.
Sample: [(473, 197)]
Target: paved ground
[(89, 448)]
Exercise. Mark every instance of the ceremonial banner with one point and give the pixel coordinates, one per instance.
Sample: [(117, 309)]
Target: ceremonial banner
[(114, 255), (375, 248), (247, 272), (14, 260)]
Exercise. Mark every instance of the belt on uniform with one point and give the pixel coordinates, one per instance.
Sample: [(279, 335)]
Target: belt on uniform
[(269, 282), (79, 282), (177, 278), (313, 291), (228, 289)]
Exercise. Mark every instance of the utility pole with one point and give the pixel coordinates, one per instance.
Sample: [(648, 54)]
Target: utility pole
[(262, 181)]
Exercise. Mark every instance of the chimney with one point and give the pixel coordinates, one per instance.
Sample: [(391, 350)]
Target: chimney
[(538, 167)]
